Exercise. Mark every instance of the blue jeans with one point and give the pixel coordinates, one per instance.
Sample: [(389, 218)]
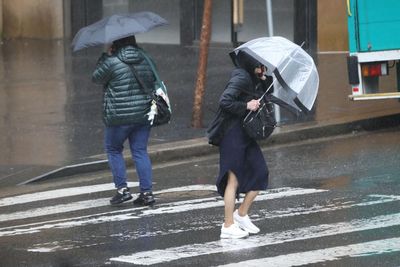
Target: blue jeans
[(138, 136)]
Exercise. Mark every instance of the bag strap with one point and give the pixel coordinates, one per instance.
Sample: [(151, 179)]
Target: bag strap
[(153, 67), (143, 86)]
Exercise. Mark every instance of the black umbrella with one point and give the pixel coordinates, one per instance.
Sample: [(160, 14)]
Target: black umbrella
[(116, 27)]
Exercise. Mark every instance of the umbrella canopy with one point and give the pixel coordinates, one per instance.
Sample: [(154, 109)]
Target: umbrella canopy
[(116, 27), (296, 78)]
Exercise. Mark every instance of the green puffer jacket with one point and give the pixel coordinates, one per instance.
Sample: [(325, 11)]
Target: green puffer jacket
[(124, 102)]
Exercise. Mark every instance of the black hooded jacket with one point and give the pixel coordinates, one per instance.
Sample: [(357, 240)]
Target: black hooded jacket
[(240, 89)]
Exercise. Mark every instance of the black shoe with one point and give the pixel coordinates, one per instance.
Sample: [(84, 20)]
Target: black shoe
[(145, 199), (121, 196)]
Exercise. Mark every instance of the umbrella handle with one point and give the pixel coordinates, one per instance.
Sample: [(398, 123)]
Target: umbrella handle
[(257, 111)]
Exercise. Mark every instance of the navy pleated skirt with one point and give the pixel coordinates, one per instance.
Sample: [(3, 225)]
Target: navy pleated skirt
[(243, 156)]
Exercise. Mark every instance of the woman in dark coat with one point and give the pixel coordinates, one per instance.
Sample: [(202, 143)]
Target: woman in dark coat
[(242, 165)]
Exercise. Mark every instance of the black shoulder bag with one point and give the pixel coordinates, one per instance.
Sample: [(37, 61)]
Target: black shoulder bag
[(160, 111), (261, 123)]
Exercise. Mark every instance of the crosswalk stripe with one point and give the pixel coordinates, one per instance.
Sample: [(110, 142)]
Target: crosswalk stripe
[(58, 193), (262, 214), (100, 202), (316, 231), (55, 209), (88, 204), (174, 207), (322, 255)]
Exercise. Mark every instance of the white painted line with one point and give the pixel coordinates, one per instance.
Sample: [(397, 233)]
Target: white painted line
[(56, 209), (262, 214), (59, 193), (88, 204), (175, 207), (183, 206), (53, 249), (195, 187), (265, 214), (322, 255), (378, 199), (213, 247)]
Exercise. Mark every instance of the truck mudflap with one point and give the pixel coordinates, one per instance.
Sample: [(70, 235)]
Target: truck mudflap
[(352, 68)]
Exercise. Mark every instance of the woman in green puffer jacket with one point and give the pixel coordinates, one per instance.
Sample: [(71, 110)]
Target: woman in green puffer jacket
[(125, 108)]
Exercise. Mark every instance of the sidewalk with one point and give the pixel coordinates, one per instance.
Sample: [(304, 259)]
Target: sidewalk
[(51, 112)]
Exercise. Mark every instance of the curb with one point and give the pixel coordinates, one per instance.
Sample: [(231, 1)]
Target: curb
[(200, 147)]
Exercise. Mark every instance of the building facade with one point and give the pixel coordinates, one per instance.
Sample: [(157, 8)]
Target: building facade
[(321, 24)]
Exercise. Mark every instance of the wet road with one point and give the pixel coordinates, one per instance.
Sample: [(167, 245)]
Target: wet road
[(50, 111), (332, 202)]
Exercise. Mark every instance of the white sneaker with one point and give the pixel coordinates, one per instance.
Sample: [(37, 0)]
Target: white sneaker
[(245, 223), (232, 231)]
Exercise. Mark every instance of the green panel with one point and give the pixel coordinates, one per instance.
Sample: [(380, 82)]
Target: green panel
[(352, 26), (378, 25)]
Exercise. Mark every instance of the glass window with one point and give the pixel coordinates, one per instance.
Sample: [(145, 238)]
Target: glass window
[(221, 22), (255, 21)]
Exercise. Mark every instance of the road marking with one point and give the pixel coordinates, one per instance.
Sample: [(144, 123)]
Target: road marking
[(262, 214), (322, 255), (88, 204), (100, 202), (56, 209), (213, 247), (378, 199), (58, 193), (129, 214), (216, 202)]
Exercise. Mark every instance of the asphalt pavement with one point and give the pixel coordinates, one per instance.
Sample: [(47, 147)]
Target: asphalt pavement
[(331, 202), (51, 111)]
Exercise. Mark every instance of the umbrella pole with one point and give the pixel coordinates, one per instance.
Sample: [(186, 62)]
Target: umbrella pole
[(266, 91), (270, 18)]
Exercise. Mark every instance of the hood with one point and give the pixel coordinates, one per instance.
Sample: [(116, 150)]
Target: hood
[(245, 61), (130, 55)]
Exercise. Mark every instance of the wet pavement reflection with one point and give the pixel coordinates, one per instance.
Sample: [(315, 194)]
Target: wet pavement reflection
[(50, 111), (322, 200)]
